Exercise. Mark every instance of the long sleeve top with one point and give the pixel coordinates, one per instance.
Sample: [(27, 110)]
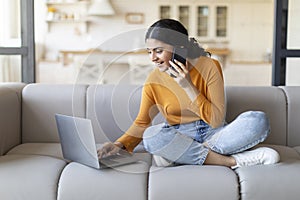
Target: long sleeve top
[(162, 94)]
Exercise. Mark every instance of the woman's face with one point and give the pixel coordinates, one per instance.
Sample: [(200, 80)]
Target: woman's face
[(160, 53)]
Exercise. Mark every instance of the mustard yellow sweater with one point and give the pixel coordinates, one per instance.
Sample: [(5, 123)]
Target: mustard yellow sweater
[(162, 94)]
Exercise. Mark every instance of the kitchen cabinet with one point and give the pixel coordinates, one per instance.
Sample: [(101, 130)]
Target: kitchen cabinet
[(207, 22)]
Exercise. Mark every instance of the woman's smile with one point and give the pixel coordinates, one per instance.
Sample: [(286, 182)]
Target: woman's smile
[(160, 53)]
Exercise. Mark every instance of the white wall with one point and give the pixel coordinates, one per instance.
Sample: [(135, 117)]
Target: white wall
[(101, 29), (251, 29)]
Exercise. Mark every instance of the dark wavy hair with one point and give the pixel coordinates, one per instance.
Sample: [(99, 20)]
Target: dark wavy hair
[(174, 33)]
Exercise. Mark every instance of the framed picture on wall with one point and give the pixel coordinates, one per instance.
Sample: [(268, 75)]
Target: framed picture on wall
[(134, 18)]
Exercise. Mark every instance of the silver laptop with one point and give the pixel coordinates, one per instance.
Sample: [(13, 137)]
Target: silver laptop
[(78, 144)]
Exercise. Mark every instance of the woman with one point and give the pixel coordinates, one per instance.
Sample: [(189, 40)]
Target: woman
[(191, 97)]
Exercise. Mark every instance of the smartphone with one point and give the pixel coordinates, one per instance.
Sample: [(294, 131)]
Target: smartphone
[(179, 54)]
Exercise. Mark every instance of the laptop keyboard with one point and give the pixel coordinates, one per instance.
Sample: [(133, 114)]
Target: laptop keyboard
[(113, 159), (108, 161)]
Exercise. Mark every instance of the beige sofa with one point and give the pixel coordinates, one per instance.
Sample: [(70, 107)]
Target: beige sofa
[(32, 167)]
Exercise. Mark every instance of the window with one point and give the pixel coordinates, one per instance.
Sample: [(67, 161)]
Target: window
[(165, 12), (221, 28), (293, 43), (16, 41), (287, 45), (202, 25), (184, 16)]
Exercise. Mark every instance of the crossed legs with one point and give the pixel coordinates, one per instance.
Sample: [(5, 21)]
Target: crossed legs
[(249, 129)]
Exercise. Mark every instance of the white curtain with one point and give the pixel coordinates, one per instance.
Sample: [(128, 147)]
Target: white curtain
[(10, 37), (10, 69), (9, 21)]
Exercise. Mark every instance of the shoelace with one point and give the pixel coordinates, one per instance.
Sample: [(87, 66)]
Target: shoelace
[(252, 160)]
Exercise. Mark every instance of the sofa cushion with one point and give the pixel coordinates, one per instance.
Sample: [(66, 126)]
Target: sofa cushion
[(193, 183), (293, 101), (79, 182), (276, 182), (29, 177), (41, 102), (271, 100), (54, 150), (45, 149), (112, 109), (10, 115)]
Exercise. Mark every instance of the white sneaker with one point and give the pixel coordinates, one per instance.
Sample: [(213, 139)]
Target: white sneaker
[(162, 162), (259, 156)]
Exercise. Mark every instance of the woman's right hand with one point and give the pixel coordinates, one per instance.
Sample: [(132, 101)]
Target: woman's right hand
[(109, 148)]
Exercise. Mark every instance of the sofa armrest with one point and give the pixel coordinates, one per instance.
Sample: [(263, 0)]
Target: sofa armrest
[(10, 115)]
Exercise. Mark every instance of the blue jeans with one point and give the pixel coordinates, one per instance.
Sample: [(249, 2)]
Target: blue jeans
[(183, 143)]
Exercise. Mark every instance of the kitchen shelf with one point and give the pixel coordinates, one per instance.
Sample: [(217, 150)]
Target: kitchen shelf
[(68, 12)]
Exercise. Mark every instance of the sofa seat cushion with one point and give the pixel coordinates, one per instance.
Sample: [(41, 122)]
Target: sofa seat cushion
[(29, 177), (278, 181), (54, 150), (79, 182), (45, 149), (193, 182)]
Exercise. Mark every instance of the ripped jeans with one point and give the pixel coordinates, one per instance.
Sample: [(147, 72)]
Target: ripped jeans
[(183, 143)]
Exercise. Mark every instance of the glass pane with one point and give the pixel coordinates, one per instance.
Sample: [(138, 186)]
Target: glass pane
[(221, 29), (10, 34), (184, 16), (293, 71), (10, 68), (165, 12), (202, 26), (293, 39)]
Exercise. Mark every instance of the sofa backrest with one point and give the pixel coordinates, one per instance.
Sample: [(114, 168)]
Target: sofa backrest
[(40, 102), (271, 100), (113, 108)]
